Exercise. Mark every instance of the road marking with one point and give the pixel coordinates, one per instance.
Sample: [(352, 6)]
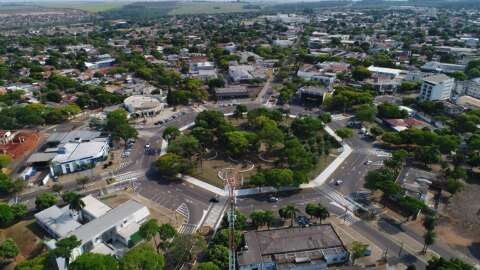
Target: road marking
[(183, 210), (187, 228)]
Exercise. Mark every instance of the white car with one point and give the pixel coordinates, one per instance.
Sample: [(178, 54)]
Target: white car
[(338, 182)]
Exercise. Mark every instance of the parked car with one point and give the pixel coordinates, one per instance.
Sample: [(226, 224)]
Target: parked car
[(302, 221), (272, 199), (368, 162), (338, 182), (214, 200)]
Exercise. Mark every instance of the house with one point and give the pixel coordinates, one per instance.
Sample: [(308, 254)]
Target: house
[(403, 124), (99, 228), (451, 109), (468, 102), (437, 87), (469, 88), (416, 182), (293, 248)]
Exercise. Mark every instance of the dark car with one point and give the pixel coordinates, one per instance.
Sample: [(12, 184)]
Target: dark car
[(302, 221), (214, 200)]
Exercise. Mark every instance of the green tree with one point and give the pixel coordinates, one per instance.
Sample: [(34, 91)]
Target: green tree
[(166, 232), (428, 240), (218, 254), (439, 263), (6, 214), (207, 266), (361, 73), (142, 257), (5, 160), (170, 133), (427, 154), (117, 124), (88, 261), (8, 250), (288, 212), (358, 250), (240, 110), (45, 200), (238, 143), (75, 202), (170, 164), (277, 177), (430, 222), (65, 246), (149, 230), (344, 132), (366, 113), (184, 145), (325, 117), (306, 127)]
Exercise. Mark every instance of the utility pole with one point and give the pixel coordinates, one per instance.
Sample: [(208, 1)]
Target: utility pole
[(231, 184), (401, 249)]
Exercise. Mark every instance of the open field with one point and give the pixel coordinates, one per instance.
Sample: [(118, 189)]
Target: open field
[(207, 8), (86, 6)]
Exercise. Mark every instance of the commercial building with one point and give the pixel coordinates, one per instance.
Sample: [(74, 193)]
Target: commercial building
[(293, 248), (78, 156), (143, 106), (70, 152), (469, 88), (390, 73), (103, 61), (437, 87)]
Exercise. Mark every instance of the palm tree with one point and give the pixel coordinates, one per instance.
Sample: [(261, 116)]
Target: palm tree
[(429, 239), (322, 213), (76, 203), (289, 212), (310, 209)]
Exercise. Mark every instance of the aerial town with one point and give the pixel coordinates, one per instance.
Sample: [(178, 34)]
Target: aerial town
[(243, 135)]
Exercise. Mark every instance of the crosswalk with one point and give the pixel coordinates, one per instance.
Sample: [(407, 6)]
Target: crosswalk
[(187, 228), (339, 117), (349, 218), (199, 108), (124, 164), (183, 210), (127, 176), (337, 197)]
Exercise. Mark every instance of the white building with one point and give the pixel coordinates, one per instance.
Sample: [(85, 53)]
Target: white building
[(141, 106), (386, 72), (106, 231), (437, 87), (77, 156)]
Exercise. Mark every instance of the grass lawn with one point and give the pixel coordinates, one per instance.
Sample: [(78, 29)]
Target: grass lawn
[(207, 8), (86, 6), (27, 235)]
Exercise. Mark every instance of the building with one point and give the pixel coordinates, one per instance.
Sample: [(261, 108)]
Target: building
[(437, 87), (102, 61), (416, 182), (143, 106), (246, 73), (390, 73), (314, 93), (403, 124), (442, 67), (233, 91), (292, 248), (78, 156), (99, 228), (470, 88), (468, 102)]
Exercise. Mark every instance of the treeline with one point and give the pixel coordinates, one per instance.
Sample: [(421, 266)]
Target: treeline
[(141, 10)]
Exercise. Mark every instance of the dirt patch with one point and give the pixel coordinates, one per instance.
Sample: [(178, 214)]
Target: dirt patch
[(28, 237), (467, 220), (23, 143)]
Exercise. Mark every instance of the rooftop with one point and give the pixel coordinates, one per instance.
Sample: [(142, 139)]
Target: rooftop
[(75, 135), (60, 221), (288, 240), (94, 207), (99, 225), (80, 150), (437, 78)]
